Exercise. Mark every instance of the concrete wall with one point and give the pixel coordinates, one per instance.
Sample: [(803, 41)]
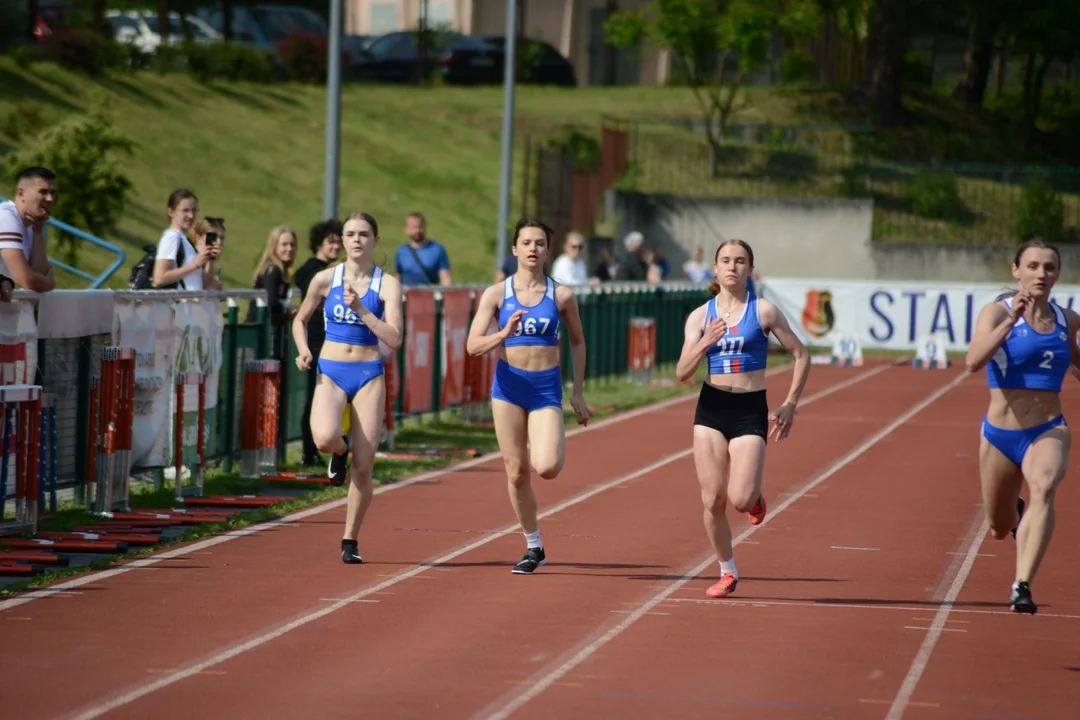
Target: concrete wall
[(799, 238), (807, 238)]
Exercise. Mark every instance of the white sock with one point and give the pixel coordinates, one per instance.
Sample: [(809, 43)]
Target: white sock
[(728, 566), (533, 539)]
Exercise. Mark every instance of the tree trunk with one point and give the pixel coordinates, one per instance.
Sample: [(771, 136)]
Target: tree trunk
[(163, 21), (31, 20), (889, 37), (971, 88)]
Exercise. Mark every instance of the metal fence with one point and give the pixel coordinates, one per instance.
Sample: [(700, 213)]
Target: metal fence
[(66, 365)]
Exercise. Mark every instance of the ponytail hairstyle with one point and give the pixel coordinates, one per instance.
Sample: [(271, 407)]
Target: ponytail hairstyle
[(1032, 243), (714, 283)]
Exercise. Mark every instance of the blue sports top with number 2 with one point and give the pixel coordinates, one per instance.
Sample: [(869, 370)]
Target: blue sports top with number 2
[(1032, 360), (540, 323), (342, 324), (744, 347)]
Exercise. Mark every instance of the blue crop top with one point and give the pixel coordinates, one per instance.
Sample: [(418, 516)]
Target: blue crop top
[(1031, 360), (744, 346), (342, 324), (540, 323)]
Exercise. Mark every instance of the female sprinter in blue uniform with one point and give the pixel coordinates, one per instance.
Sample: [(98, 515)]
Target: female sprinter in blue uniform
[(526, 392), (731, 423), (362, 309), (1027, 344)]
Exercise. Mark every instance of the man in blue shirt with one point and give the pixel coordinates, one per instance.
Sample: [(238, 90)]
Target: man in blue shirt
[(422, 261)]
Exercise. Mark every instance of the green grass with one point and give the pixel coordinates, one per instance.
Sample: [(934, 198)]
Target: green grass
[(255, 155)]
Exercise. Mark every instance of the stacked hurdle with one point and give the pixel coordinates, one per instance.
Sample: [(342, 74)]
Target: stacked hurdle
[(20, 414), (641, 349), (183, 380), (258, 432), (112, 420), (47, 469)]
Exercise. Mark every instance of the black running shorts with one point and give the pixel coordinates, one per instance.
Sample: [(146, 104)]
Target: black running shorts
[(733, 414)]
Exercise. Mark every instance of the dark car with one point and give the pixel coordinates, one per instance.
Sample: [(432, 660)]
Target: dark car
[(396, 57), (539, 62)]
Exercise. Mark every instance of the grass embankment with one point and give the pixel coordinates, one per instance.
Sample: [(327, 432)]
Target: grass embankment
[(255, 154)]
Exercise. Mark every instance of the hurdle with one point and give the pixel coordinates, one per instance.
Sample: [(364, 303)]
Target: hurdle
[(115, 404), (258, 430), (20, 412), (196, 466), (641, 349)]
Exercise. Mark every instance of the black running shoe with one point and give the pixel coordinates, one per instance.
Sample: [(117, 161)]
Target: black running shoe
[(339, 465), (350, 554), (1021, 599), (1020, 514), (534, 558)]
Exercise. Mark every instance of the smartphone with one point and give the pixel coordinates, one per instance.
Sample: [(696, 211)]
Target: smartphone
[(211, 238)]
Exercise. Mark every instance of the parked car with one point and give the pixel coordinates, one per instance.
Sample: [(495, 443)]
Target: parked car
[(546, 65), (141, 28), (263, 25), (396, 57)]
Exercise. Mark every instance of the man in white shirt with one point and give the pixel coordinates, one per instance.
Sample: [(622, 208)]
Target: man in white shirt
[(569, 268), (24, 258)]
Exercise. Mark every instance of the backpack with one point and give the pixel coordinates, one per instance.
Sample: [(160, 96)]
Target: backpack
[(142, 275)]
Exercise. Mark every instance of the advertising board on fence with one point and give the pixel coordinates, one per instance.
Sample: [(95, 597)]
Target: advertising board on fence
[(170, 336), (419, 349), (457, 306), (889, 314), (18, 343)]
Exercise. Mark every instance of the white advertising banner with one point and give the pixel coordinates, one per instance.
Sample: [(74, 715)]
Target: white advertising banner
[(148, 327), (18, 343), (889, 314)]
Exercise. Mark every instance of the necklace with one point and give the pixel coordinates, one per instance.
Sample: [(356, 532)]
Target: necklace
[(727, 310)]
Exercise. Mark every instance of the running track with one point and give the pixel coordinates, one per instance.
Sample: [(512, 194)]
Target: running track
[(872, 591)]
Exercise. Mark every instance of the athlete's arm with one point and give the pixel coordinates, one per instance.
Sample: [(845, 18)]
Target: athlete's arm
[(694, 345), (479, 342), (316, 294), (568, 308), (777, 324), (1074, 341), (388, 330), (992, 327)]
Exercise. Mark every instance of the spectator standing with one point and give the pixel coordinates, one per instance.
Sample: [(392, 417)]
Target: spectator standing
[(421, 261), (274, 275), (324, 239), (24, 260), (569, 268), (635, 267), (695, 269), (178, 263)]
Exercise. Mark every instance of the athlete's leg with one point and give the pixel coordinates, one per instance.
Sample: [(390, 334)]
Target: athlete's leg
[(512, 435), (1044, 467), (712, 464), (327, 407), (1001, 480), (747, 468), (368, 409), (547, 441)]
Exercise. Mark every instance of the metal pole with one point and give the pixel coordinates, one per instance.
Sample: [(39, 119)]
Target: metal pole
[(509, 78), (333, 112)]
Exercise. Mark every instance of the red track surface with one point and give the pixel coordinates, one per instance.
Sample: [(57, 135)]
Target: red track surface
[(843, 609)]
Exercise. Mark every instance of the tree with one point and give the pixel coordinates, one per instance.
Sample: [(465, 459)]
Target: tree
[(714, 44), (81, 151)]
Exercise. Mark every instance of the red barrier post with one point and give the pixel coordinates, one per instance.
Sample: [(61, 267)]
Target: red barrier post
[(641, 349), (258, 451), (21, 413), (419, 350)]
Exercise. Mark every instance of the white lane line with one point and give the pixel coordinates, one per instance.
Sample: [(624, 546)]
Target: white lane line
[(584, 653), (224, 655), (52, 590), (853, 606), (844, 547), (937, 627)]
